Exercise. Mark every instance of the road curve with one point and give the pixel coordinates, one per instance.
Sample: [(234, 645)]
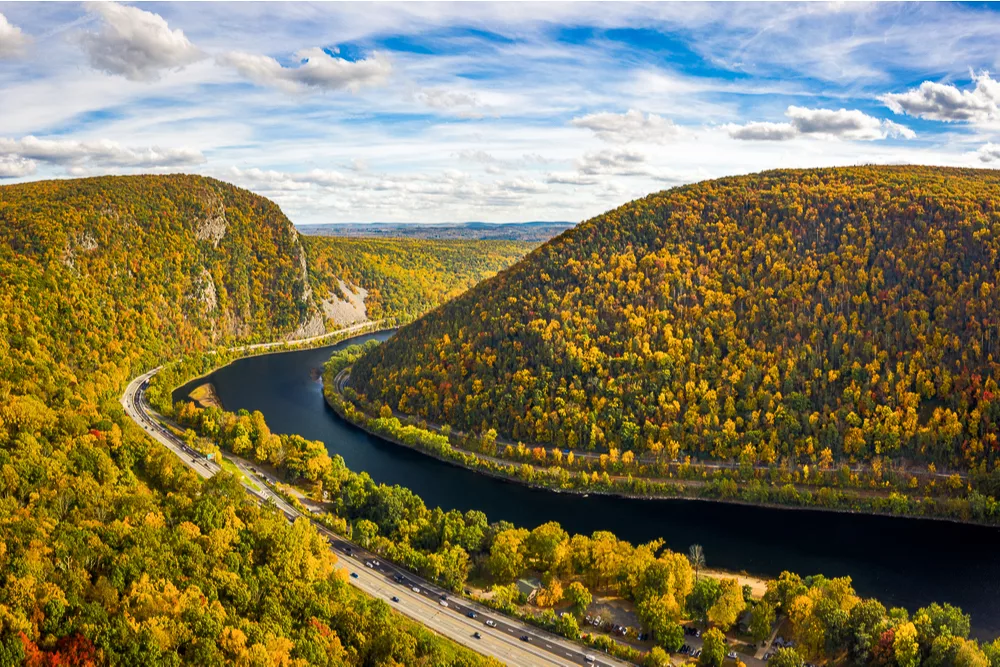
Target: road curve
[(417, 598)]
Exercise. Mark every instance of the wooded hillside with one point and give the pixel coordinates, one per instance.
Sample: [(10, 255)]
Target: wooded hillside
[(820, 315), (111, 551)]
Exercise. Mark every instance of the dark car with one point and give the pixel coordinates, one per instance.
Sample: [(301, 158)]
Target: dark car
[(471, 614), (477, 635), (354, 575), (525, 638), (395, 599)]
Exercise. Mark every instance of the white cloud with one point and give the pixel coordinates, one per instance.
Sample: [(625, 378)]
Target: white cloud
[(627, 127), (842, 124), (317, 69), (763, 131), (12, 40), (136, 44), (595, 167), (619, 161), (14, 166), (989, 152), (77, 155), (439, 98), (945, 102)]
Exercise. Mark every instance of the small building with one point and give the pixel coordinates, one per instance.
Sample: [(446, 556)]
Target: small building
[(529, 587)]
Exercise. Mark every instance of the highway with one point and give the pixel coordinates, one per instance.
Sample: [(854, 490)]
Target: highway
[(506, 639)]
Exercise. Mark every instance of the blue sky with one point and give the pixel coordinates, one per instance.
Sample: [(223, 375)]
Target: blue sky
[(489, 111)]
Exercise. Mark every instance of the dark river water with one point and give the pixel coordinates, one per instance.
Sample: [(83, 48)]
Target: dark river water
[(903, 562)]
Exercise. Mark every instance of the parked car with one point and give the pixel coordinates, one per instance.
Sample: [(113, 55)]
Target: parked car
[(731, 655)]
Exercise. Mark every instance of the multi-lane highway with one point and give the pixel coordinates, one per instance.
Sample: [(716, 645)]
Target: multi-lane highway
[(470, 624)]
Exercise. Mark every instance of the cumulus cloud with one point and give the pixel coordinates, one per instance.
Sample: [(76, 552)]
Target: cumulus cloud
[(945, 102), (79, 155), (841, 123), (989, 152), (317, 69), (136, 44), (14, 166), (618, 161), (763, 131), (12, 40), (631, 126)]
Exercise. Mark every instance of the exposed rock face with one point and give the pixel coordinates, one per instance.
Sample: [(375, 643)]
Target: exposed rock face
[(307, 292), (312, 327), (86, 241), (351, 311), (207, 293), (213, 227)]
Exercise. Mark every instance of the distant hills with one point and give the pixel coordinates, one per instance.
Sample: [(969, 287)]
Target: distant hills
[(505, 231)]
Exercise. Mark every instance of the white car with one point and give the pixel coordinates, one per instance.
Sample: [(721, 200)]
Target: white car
[(416, 590), (589, 658), (491, 623), (443, 603)]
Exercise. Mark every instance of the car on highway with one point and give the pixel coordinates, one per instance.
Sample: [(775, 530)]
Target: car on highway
[(477, 635), (443, 603), (491, 623), (526, 638), (416, 590), (354, 575), (589, 658), (395, 599), (472, 614)]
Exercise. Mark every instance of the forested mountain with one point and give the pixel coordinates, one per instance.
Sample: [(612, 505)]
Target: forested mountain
[(111, 552), (404, 278), (817, 316)]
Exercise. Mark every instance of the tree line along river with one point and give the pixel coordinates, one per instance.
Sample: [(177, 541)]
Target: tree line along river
[(901, 561)]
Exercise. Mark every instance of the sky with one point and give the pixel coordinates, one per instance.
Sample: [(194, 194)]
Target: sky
[(503, 112)]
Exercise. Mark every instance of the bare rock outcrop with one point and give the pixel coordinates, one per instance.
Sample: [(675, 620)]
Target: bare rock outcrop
[(213, 226)]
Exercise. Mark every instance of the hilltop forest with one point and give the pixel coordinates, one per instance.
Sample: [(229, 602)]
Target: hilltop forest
[(810, 318), (111, 551), (405, 277)]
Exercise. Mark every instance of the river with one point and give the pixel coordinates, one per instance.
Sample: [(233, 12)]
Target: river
[(903, 562)]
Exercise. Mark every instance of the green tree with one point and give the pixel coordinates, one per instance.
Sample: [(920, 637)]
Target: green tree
[(786, 657), (905, 646), (506, 559), (657, 657), (546, 546), (726, 610), (578, 596), (567, 626), (867, 621), (761, 621), (704, 595), (713, 651)]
